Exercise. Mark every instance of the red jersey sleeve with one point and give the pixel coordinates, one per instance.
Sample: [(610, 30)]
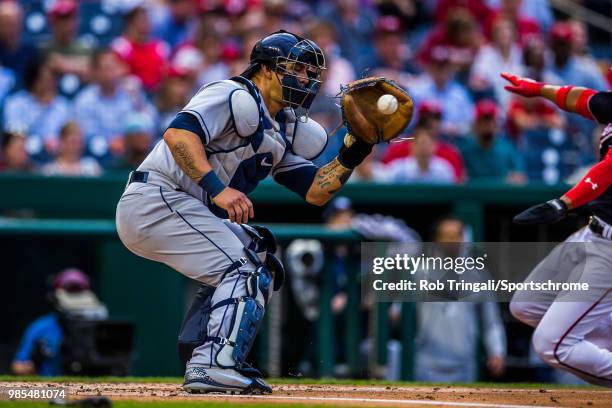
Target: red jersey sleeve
[(593, 184)]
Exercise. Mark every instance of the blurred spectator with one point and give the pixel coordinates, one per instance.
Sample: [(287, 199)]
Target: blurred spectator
[(458, 37), (69, 160), (539, 131), (101, 106), (137, 138), (252, 35), (13, 154), (438, 84), (15, 53), (511, 10), (67, 56), (369, 170), (354, 23), (527, 114), (578, 71), (393, 59), (249, 36), (423, 166), (174, 21), (40, 350), (145, 57), (429, 116), (231, 55), (534, 60), (38, 111), (290, 15), (443, 358), (412, 12), (538, 10), (339, 70), (488, 154), (503, 54), (479, 9), (7, 82), (172, 97), (339, 215), (202, 57), (211, 41), (580, 39)]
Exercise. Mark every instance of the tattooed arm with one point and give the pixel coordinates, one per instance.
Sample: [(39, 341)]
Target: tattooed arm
[(189, 154), (318, 185), (328, 180)]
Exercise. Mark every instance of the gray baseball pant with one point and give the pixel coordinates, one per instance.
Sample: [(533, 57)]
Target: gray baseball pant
[(573, 332), (172, 227)]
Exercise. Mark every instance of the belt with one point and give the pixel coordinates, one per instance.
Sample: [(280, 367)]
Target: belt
[(138, 177), (152, 178), (600, 228)]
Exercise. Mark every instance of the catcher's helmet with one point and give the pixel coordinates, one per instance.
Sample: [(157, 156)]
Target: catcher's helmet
[(279, 51)]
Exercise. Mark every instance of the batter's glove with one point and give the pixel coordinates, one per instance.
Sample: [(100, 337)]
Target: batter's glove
[(522, 86), (360, 112), (546, 213)]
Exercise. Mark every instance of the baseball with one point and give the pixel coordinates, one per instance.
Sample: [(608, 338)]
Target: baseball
[(387, 104)]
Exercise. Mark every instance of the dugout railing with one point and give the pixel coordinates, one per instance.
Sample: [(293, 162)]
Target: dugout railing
[(86, 198)]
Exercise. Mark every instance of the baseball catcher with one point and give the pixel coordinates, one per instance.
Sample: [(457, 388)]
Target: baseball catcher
[(570, 335), (187, 206)]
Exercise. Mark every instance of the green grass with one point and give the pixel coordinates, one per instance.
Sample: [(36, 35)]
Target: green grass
[(293, 380)]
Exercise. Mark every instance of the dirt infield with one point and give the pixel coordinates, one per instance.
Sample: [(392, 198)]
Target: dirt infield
[(346, 395)]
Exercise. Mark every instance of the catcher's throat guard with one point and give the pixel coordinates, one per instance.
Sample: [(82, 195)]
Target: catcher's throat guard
[(361, 116)]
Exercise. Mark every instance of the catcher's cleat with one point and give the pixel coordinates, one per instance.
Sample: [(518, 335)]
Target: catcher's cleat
[(229, 381)]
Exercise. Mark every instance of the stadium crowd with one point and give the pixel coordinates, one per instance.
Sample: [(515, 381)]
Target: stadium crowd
[(88, 87)]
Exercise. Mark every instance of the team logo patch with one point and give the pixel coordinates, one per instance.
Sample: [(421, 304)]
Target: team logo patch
[(593, 185)]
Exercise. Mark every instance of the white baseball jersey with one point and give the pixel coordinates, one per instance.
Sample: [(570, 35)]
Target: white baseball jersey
[(240, 162)]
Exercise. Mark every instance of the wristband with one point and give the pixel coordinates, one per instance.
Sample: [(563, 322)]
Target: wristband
[(582, 104), (558, 205), (561, 96), (211, 184), (350, 157)]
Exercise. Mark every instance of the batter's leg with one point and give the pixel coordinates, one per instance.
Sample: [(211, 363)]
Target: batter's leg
[(561, 339), (569, 334), (530, 306)]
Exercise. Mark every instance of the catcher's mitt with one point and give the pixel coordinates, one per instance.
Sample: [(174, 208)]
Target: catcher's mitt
[(360, 113)]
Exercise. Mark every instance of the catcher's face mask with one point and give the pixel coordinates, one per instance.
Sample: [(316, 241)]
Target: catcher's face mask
[(301, 70)]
